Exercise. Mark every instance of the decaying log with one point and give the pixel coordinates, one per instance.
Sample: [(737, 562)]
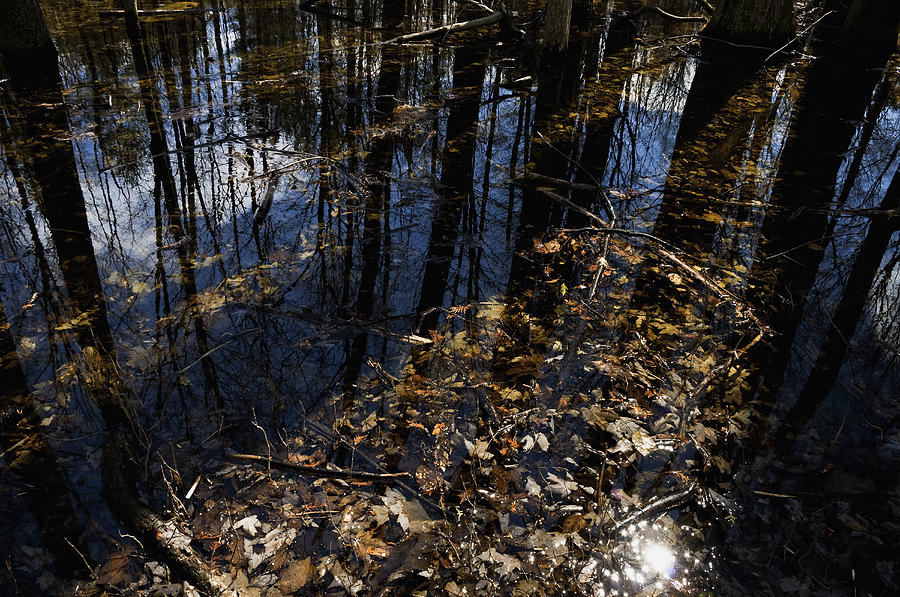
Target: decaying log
[(157, 534)]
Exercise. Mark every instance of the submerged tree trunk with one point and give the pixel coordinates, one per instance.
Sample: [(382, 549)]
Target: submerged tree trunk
[(760, 22)]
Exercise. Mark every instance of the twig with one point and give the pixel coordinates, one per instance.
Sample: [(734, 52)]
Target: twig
[(268, 458), (315, 471), (707, 379), (799, 35), (483, 7), (599, 192), (324, 432), (448, 29), (157, 12), (774, 495), (534, 177), (599, 187), (87, 565), (668, 15)]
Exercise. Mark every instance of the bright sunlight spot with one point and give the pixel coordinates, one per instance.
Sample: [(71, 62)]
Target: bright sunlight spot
[(660, 559)]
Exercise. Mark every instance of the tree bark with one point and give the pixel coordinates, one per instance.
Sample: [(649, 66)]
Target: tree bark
[(23, 27), (556, 25), (24, 39), (872, 26)]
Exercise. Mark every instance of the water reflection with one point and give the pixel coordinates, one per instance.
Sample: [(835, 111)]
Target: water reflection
[(257, 227)]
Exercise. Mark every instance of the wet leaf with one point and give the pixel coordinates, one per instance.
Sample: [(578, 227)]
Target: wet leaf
[(116, 570), (295, 575), (643, 443), (505, 564)]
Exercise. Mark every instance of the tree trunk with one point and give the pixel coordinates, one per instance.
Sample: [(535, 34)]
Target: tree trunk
[(872, 26), (22, 27), (556, 25), (24, 39), (756, 22), (131, 11)]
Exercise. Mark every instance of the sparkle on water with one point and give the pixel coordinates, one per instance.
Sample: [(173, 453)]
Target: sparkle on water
[(659, 558)]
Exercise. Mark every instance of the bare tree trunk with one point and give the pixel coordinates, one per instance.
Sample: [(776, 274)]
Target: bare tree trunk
[(22, 26), (24, 39), (761, 22), (556, 25), (872, 25), (131, 10)]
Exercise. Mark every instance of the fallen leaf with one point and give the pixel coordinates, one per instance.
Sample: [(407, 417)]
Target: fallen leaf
[(295, 575), (248, 523)]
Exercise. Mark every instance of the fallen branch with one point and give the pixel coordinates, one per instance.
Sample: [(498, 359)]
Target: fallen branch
[(160, 535), (655, 509), (156, 12), (534, 177), (323, 473), (706, 6), (492, 18), (668, 15), (658, 246)]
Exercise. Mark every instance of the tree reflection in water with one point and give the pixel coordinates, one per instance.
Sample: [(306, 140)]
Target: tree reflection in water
[(655, 409)]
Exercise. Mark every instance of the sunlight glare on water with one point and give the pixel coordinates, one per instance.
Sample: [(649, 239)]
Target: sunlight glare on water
[(659, 558)]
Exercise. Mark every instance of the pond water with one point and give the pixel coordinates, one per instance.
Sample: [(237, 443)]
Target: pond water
[(626, 315)]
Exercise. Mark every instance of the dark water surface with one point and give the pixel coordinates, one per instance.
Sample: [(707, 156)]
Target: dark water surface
[(552, 290)]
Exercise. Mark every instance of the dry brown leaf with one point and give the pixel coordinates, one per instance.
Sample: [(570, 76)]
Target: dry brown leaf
[(295, 575), (115, 570)]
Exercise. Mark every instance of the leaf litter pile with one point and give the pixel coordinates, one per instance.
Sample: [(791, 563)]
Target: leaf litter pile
[(587, 458)]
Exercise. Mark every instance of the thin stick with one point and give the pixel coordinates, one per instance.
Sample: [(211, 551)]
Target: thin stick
[(668, 15), (798, 36), (655, 508), (533, 177), (314, 471), (448, 29), (774, 495), (158, 12)]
